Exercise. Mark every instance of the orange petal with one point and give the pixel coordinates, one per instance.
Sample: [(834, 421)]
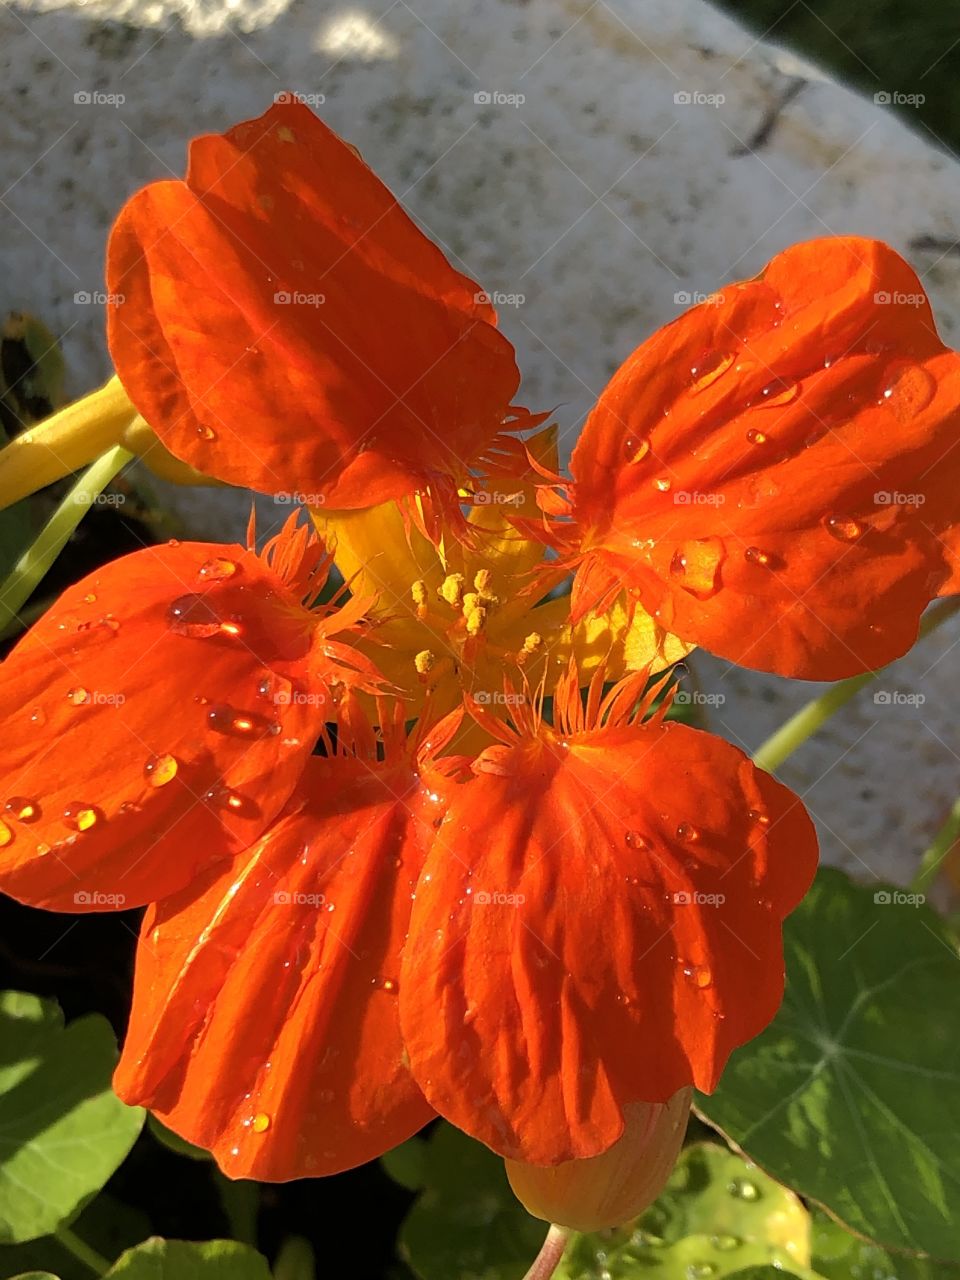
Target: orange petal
[(774, 474), (157, 718), (286, 326), (265, 1017), (598, 923)]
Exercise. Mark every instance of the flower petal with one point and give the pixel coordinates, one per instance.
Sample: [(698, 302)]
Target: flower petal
[(265, 1018), (284, 325), (157, 718), (774, 474), (663, 842)]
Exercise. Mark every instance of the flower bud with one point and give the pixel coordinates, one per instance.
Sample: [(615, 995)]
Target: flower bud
[(609, 1189)]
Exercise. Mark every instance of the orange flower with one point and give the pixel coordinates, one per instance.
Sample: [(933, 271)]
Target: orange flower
[(541, 931)]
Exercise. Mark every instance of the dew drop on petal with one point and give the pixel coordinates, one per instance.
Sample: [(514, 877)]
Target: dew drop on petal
[(687, 831), (701, 1270), (663, 484), (206, 433), (754, 555), (743, 1189), (908, 391), (778, 392), (239, 724), (6, 835), (43, 849), (756, 437), (702, 977), (89, 598), (23, 808), (261, 1122), (759, 817), (81, 816), (711, 366), (160, 769), (634, 840), (217, 569), (843, 528), (78, 696), (636, 448), (193, 616), (678, 565), (38, 716)]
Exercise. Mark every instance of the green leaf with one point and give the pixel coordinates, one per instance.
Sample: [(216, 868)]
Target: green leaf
[(63, 1132), (837, 1255), (158, 1259), (467, 1223), (173, 1142), (406, 1164), (717, 1216), (35, 1275), (850, 1096), (106, 1224)]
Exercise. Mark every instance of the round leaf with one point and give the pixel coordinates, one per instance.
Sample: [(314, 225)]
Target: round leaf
[(158, 1259), (63, 1132), (850, 1096)]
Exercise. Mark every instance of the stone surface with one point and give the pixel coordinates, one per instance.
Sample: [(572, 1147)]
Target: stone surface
[(659, 150)]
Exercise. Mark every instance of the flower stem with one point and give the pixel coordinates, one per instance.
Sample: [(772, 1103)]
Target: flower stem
[(794, 733), (37, 559), (241, 1205), (551, 1251), (943, 842), (97, 1263)]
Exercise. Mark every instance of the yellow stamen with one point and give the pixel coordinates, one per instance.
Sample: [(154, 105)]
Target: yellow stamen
[(451, 589), (420, 598), (474, 617), (424, 662)]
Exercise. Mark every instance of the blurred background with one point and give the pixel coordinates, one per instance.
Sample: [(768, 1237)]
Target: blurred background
[(597, 165)]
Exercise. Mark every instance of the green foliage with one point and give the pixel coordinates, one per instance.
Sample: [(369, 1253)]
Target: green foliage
[(181, 1260), (63, 1131), (850, 1096)]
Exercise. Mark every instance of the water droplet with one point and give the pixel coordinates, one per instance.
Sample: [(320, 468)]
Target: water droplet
[(702, 976), (701, 1270), (678, 565), (726, 1243), (261, 1122), (779, 391), (759, 817), (78, 696), (663, 484), (756, 437), (224, 798), (390, 985), (239, 724), (711, 366), (43, 849), (908, 391), (217, 569), (23, 808), (687, 831), (636, 448), (634, 840), (193, 616), (754, 555), (206, 433), (38, 716), (160, 769), (697, 566), (81, 816), (6, 835), (89, 598), (744, 1189), (843, 528)]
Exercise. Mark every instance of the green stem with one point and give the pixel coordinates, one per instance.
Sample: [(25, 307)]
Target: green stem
[(551, 1251), (97, 1263), (241, 1204), (37, 559), (295, 1261), (808, 719), (943, 842)]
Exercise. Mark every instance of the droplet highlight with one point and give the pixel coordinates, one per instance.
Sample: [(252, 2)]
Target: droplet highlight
[(160, 769)]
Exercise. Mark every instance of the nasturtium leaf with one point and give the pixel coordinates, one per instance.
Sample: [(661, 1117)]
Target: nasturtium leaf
[(837, 1255), (107, 1225), (63, 1132), (158, 1259), (850, 1096), (717, 1216), (467, 1222), (35, 1275), (406, 1164), (763, 1273), (173, 1142)]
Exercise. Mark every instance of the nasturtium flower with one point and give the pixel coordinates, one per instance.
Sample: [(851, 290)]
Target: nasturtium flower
[(431, 846)]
